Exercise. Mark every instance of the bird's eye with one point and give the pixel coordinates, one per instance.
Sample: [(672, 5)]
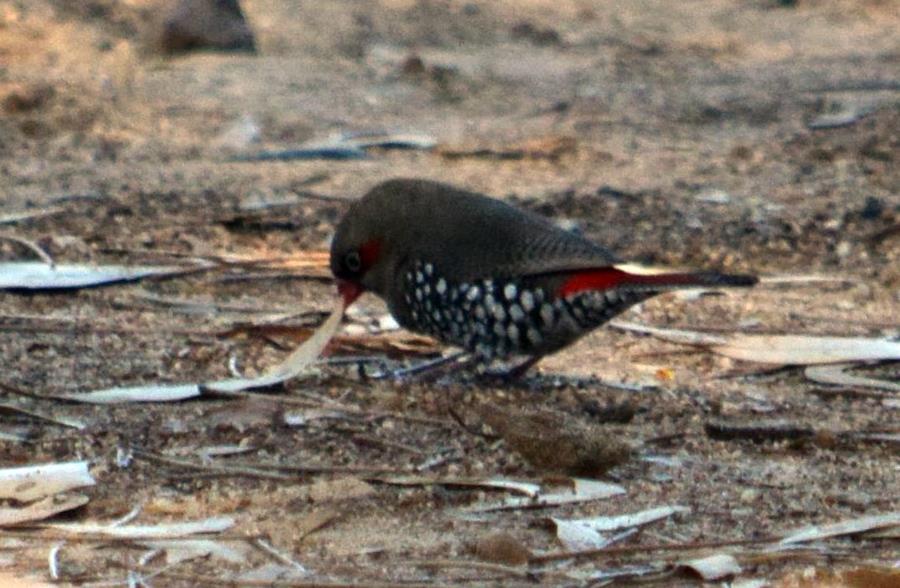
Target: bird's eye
[(352, 261)]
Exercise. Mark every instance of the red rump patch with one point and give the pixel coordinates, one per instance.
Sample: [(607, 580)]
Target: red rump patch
[(609, 277), (600, 279), (369, 253)]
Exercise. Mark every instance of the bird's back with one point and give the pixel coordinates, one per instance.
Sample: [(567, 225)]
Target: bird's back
[(473, 236)]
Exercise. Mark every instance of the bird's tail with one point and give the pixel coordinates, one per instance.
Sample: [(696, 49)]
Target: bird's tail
[(640, 278)]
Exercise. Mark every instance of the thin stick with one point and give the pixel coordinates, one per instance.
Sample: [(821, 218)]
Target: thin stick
[(269, 470), (53, 561), (626, 549), (14, 217), (41, 534), (33, 247), (64, 422), (195, 579), (278, 555), (333, 404), (373, 440), (220, 469), (75, 327), (20, 392), (469, 565)]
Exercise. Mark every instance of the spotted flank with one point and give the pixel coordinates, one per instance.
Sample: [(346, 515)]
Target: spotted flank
[(495, 319)]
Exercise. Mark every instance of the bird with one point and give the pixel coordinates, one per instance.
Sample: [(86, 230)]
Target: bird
[(478, 273)]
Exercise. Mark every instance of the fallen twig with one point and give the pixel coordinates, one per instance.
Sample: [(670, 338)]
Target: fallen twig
[(769, 431), (273, 471), (268, 548), (200, 579), (758, 431), (42, 416), (481, 566), (627, 549), (31, 246)]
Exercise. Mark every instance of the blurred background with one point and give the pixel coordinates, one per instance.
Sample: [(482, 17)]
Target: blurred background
[(766, 126)]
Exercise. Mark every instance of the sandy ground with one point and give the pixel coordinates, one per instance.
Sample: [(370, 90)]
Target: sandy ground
[(675, 133)]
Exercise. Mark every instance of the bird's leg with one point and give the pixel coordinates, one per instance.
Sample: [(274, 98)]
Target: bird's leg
[(430, 368)]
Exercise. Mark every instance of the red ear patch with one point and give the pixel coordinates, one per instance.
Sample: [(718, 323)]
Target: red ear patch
[(369, 252)]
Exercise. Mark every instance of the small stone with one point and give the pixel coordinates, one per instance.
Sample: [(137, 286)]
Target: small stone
[(843, 249), (873, 208), (714, 197), (206, 24), (749, 495), (27, 98), (501, 548)]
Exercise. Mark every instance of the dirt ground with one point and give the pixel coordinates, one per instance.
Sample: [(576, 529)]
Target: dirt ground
[(674, 132)]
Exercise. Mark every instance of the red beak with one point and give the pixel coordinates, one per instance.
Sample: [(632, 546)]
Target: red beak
[(349, 290)]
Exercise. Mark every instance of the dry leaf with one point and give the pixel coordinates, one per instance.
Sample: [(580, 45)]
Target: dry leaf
[(298, 361), (301, 418), (835, 374), (272, 572), (526, 488), (578, 534), (40, 510), (582, 491), (180, 550), (778, 349), (848, 527), (713, 567), (172, 530), (148, 393), (32, 482), (34, 275)]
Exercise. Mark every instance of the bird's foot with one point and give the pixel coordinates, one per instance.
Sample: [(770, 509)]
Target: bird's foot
[(429, 370), (508, 375)]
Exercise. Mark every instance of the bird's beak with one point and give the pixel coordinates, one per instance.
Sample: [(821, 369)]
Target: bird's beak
[(349, 290)]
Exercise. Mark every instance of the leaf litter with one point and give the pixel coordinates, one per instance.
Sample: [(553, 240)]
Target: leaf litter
[(412, 514), (292, 366)]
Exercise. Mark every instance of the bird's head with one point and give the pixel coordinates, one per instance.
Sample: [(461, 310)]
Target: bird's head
[(364, 244)]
